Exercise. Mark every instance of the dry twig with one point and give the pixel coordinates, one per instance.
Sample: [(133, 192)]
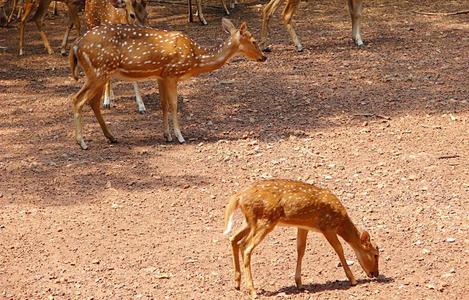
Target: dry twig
[(441, 13)]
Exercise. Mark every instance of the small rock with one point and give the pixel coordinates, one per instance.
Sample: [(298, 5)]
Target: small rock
[(115, 205), (425, 251), (430, 286), (450, 240), (95, 262), (328, 177)]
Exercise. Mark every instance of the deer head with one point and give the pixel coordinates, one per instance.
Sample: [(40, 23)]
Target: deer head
[(368, 255), (247, 43)]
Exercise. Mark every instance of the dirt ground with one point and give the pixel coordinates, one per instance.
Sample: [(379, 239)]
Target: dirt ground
[(386, 127)]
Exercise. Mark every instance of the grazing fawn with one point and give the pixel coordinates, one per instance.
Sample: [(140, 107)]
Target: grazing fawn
[(199, 11), (355, 9), (137, 53), (98, 12), (269, 203), (74, 6)]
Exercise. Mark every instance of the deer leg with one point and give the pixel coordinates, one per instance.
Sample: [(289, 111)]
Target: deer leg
[(335, 243), (301, 236), (164, 107), (79, 101), (200, 13), (252, 241), (39, 20), (288, 12), (65, 39), (96, 106), (227, 12), (28, 6), (73, 19), (269, 9), (138, 99), (10, 17), (54, 8), (172, 99), (235, 248), (189, 9), (107, 95), (355, 9)]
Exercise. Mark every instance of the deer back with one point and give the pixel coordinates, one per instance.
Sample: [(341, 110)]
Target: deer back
[(293, 203)]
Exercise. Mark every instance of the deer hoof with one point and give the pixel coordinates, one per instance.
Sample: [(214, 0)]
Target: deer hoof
[(107, 106), (359, 43), (112, 140), (83, 145), (267, 49), (299, 48), (63, 52)]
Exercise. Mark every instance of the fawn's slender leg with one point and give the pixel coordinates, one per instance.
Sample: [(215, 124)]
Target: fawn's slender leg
[(172, 99), (301, 236), (95, 103), (288, 12), (28, 6), (235, 247), (252, 241), (331, 237), (138, 99), (164, 107), (268, 10)]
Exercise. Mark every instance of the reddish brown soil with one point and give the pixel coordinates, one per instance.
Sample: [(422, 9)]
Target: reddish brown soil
[(386, 127)]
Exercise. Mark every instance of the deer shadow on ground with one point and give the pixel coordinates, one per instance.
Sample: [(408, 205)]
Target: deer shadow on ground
[(321, 287)]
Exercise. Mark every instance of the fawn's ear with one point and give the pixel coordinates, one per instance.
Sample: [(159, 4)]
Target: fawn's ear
[(227, 25), (365, 238), (243, 28)]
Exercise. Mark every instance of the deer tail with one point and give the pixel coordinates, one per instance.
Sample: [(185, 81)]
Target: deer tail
[(233, 204), (74, 62)]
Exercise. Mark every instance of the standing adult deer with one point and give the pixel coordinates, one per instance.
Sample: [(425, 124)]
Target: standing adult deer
[(266, 204), (199, 11), (355, 9), (98, 12), (137, 53), (74, 6)]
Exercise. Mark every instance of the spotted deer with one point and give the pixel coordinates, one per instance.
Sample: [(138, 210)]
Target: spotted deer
[(266, 204), (200, 13), (136, 53), (98, 12), (74, 6), (355, 9)]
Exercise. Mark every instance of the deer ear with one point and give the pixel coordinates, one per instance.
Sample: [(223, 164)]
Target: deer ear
[(227, 25), (243, 28), (365, 238)]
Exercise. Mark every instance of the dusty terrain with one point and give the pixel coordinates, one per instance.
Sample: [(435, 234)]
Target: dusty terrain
[(386, 127)]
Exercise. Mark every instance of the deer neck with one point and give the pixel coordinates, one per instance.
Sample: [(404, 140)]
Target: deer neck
[(350, 234), (208, 61)]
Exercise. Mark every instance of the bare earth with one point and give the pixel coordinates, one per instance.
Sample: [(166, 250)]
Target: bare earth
[(385, 127)]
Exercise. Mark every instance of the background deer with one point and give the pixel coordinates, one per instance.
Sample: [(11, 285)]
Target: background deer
[(355, 9), (199, 10), (136, 53), (74, 6), (99, 12), (269, 203)]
